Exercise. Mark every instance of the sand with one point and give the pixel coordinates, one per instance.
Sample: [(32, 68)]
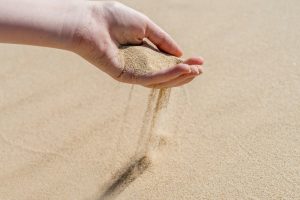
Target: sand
[(149, 144), (145, 58), (68, 131), (141, 60)]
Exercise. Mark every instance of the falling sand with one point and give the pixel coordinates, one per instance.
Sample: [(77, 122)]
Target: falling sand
[(144, 59), (140, 60), (148, 143)]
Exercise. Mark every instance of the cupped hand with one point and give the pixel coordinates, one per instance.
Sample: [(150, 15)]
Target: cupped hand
[(105, 26)]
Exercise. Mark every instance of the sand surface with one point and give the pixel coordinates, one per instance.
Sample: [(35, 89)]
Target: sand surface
[(67, 131)]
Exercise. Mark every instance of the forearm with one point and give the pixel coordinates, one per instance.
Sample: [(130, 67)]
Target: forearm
[(49, 23)]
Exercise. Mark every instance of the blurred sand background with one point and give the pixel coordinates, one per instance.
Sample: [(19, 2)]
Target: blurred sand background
[(66, 129)]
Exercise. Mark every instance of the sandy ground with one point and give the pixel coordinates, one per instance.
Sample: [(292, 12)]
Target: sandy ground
[(67, 131)]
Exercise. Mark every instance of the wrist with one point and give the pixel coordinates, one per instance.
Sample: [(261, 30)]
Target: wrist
[(91, 30), (73, 21)]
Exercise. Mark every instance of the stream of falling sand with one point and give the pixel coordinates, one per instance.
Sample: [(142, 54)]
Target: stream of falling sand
[(157, 101)]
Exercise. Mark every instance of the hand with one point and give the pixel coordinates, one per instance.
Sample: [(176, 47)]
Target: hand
[(107, 25)]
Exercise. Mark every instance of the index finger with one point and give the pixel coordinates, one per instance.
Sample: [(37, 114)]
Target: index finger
[(161, 39)]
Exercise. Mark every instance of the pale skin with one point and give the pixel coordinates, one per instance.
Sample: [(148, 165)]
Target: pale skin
[(94, 30)]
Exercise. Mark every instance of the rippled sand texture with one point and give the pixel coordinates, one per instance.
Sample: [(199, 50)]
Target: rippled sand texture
[(67, 131)]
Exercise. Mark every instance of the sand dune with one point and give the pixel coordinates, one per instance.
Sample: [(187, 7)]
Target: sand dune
[(67, 131)]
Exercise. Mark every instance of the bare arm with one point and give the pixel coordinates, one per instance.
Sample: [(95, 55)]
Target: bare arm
[(94, 30), (47, 23)]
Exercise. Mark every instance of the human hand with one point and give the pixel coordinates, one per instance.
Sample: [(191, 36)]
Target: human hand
[(105, 26)]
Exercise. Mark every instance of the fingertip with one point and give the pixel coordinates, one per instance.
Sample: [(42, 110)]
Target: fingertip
[(194, 70), (177, 51), (168, 45), (194, 61), (200, 59), (183, 68), (200, 68), (172, 47)]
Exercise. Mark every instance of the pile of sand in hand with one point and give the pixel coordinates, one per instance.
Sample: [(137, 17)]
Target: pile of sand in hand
[(139, 60)]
